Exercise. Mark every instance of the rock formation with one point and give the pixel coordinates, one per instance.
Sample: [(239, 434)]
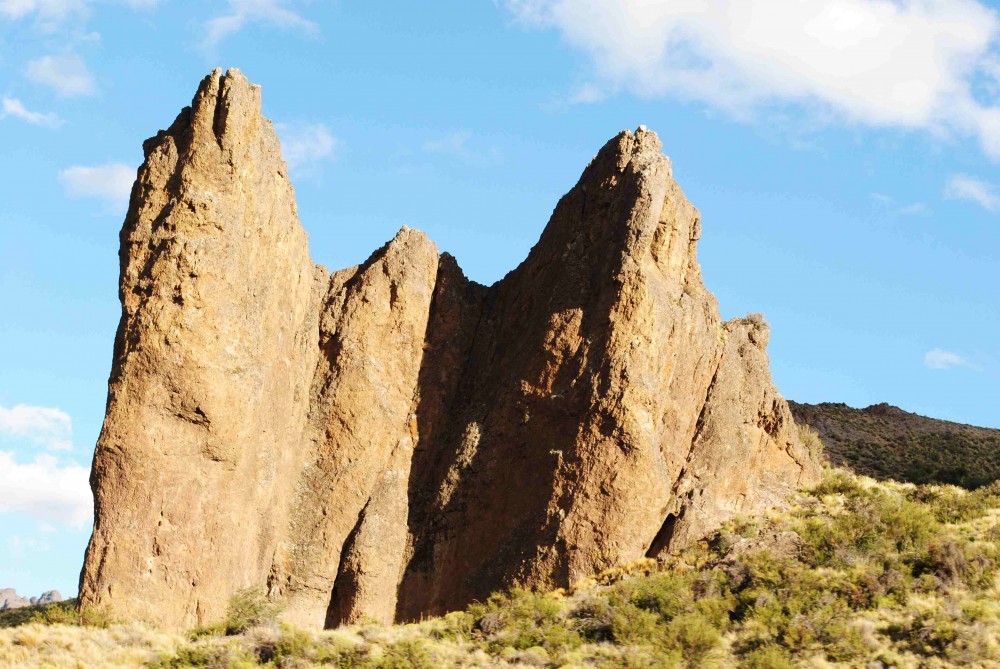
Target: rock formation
[(393, 440), (9, 599)]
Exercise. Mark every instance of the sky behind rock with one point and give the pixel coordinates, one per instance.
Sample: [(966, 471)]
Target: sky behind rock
[(844, 155)]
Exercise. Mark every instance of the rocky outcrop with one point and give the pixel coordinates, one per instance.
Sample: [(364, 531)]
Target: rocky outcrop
[(9, 599), (394, 440)]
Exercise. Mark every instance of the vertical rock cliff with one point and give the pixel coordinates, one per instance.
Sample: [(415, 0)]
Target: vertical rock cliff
[(393, 440)]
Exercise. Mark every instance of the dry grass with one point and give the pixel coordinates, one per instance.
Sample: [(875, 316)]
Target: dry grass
[(73, 647)]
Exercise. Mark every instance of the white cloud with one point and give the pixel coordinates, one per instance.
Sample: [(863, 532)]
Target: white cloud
[(940, 359), (50, 427), (305, 145), (67, 75), (52, 12), (44, 10), (242, 12), (964, 187), (111, 182), (12, 107), (46, 490), (900, 63)]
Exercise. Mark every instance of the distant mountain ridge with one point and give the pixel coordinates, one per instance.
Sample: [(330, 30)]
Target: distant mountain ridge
[(9, 599), (884, 441)]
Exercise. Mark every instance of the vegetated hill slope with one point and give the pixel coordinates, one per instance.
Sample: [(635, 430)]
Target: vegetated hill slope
[(884, 441), (856, 573)]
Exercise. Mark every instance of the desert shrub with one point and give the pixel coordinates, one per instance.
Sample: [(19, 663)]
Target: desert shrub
[(594, 619), (452, 626), (811, 439), (694, 635), (838, 482), (953, 561), (873, 523), (210, 655), (248, 608), (768, 656), (523, 619), (927, 633), (407, 654), (664, 594), (70, 613), (633, 626)]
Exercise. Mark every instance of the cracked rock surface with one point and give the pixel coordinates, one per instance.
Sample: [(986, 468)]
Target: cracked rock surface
[(392, 440)]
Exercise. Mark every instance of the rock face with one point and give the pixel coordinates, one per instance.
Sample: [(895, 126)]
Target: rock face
[(9, 599), (393, 440)]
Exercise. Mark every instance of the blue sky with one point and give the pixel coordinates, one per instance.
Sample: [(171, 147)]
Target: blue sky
[(843, 153)]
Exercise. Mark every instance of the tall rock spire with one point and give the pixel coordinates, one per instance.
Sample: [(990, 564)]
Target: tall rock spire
[(393, 440), (213, 362)]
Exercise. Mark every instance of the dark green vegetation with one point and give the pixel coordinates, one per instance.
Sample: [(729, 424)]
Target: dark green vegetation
[(26, 614), (885, 442)]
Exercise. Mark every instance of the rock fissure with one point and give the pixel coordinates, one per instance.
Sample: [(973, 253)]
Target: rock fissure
[(397, 440)]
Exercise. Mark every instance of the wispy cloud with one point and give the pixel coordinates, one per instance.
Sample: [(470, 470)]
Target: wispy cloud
[(941, 359), (51, 12), (964, 187), (587, 94), (19, 546), (14, 108), (306, 145), (67, 75), (47, 426), (46, 489), (915, 209), (111, 183), (454, 143), (43, 10), (461, 144), (888, 203), (897, 63), (243, 12)]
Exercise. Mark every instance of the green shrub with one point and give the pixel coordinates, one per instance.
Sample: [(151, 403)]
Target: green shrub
[(248, 608), (212, 655), (70, 613), (768, 656), (523, 619), (838, 482), (407, 654)]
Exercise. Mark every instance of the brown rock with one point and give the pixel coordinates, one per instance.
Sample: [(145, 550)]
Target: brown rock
[(393, 440)]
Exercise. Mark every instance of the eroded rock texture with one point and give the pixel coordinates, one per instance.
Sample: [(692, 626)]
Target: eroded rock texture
[(392, 440)]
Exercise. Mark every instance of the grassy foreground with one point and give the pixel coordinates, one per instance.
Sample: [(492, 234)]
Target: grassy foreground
[(855, 574)]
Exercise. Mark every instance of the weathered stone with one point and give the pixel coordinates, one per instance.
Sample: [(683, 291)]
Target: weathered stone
[(9, 599), (210, 387), (393, 440)]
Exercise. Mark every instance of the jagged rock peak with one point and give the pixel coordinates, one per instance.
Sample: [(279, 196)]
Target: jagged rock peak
[(9, 599), (393, 440)]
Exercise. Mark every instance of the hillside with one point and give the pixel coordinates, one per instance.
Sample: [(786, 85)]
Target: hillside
[(886, 442), (856, 573)]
